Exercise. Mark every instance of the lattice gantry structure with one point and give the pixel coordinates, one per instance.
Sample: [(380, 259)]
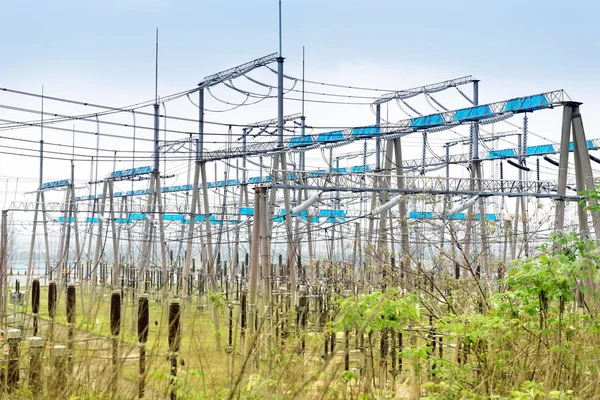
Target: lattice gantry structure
[(205, 199)]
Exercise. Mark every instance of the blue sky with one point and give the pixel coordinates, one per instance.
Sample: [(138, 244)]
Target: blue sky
[(548, 42), (104, 51)]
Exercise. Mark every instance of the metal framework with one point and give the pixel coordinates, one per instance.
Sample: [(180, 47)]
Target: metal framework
[(431, 88)]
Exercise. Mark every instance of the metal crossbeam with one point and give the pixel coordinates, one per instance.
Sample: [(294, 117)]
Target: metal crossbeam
[(436, 191), (236, 72), (432, 123), (274, 121), (432, 88), (502, 154)]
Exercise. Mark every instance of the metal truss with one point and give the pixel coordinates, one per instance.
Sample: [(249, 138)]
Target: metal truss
[(274, 121), (236, 72), (532, 151), (510, 189), (448, 119), (432, 88), (429, 123), (88, 207)]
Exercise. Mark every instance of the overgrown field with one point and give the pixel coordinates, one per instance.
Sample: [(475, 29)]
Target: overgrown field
[(533, 334)]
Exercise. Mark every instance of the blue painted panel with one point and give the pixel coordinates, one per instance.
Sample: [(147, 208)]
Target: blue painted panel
[(534, 102), (504, 153), (267, 178), (333, 220), (291, 175), (332, 213), (55, 184), (233, 182), (360, 169), (278, 219), (366, 131), (526, 103), (330, 137), (541, 149), (301, 141), (131, 172), (571, 146), (339, 170), (69, 219), (459, 216), (420, 215), (589, 144), (246, 211), (173, 217), (317, 174), (427, 120), (472, 113), (137, 216), (254, 179), (92, 220), (118, 194), (210, 184)]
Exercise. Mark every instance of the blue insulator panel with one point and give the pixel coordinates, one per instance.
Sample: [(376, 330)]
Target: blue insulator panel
[(131, 172), (254, 179), (504, 153), (541, 149), (359, 169), (332, 213), (527, 103), (93, 220), (365, 131), (334, 136), (301, 141), (472, 113), (137, 216), (246, 211), (173, 217), (427, 120), (233, 182), (420, 215), (339, 170), (55, 184), (317, 174)]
